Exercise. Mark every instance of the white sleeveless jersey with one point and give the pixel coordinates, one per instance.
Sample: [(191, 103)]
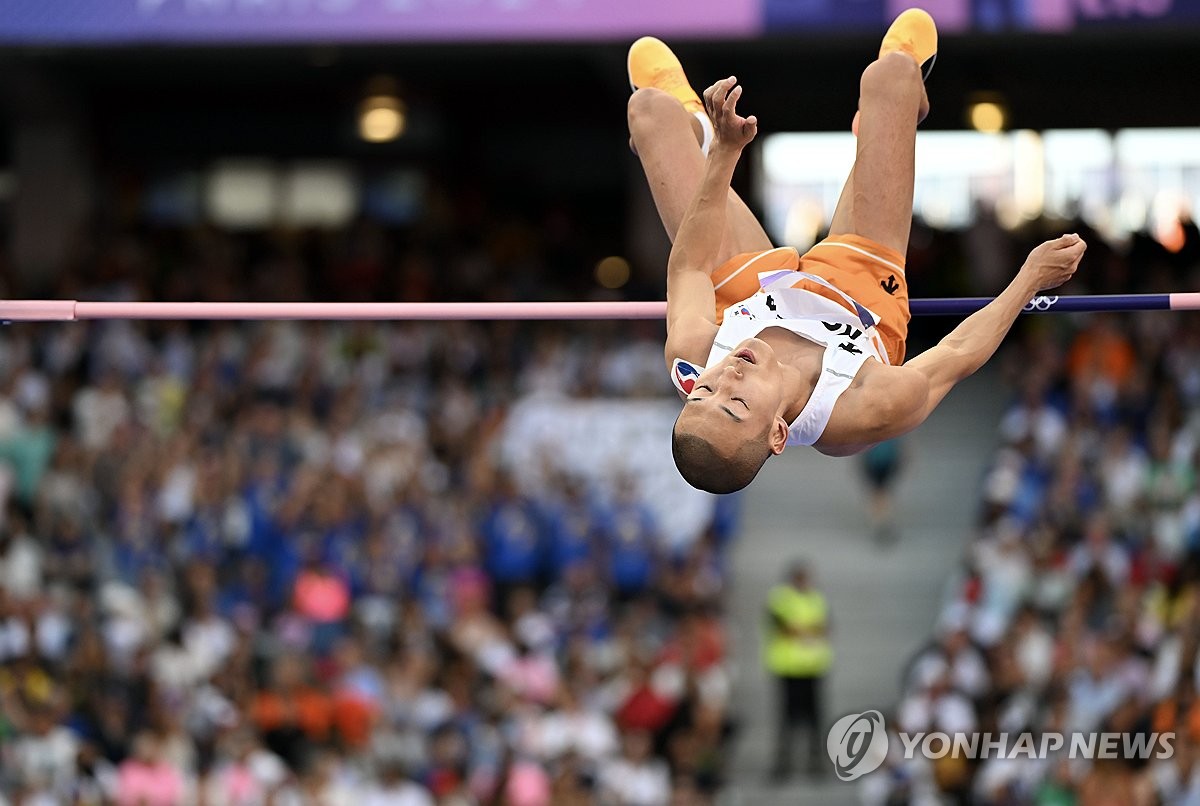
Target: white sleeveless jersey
[(849, 339)]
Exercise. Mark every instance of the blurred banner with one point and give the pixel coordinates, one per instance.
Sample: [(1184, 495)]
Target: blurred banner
[(131, 21), (982, 16), (135, 21)]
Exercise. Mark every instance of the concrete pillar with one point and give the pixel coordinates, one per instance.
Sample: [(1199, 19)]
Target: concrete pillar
[(53, 178)]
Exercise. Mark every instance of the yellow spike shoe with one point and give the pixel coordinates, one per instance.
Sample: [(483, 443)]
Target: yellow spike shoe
[(652, 64), (915, 33)]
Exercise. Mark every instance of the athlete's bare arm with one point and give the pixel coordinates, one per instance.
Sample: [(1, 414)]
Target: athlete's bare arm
[(691, 301), (891, 401)]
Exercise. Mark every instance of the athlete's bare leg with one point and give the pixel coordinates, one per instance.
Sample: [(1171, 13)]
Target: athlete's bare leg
[(876, 202), (888, 94), (842, 221), (666, 138)]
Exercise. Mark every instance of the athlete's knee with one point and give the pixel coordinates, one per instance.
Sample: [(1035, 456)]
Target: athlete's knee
[(893, 75), (648, 106)]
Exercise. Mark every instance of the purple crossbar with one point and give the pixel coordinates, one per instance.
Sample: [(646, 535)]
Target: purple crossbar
[(961, 306)]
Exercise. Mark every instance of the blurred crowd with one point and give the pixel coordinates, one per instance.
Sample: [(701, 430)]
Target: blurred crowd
[(282, 563), (1077, 609), (287, 564)]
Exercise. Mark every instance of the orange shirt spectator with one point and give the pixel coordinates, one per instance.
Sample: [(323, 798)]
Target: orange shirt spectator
[(354, 718), (308, 709), (1101, 353), (1168, 717)]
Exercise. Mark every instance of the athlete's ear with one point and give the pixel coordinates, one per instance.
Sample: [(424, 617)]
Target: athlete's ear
[(777, 437), (684, 375)]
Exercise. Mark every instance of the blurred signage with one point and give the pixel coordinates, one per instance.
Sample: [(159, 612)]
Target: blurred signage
[(118, 21), (134, 21), (983, 16)]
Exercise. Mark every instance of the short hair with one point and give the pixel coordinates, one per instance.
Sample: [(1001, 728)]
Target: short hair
[(705, 469)]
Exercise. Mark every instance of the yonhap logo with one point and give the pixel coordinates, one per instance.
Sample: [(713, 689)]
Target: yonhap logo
[(857, 744)]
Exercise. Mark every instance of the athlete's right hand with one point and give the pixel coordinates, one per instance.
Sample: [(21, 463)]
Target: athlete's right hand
[(1054, 262), (731, 129)]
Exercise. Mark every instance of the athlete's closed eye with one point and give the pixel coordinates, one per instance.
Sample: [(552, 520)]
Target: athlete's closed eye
[(697, 389), (739, 400)]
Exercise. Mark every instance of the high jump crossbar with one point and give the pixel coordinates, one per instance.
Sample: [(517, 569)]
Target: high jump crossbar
[(75, 310)]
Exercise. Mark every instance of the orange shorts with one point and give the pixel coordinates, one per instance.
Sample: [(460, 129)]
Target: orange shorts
[(871, 274)]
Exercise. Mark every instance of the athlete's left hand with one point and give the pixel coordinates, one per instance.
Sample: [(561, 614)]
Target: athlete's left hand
[(1053, 263), (731, 129)]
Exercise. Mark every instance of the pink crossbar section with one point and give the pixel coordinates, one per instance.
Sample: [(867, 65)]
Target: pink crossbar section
[(68, 310), (1185, 302)]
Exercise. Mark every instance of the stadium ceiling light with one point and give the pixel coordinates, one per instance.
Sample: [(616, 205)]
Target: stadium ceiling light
[(381, 115), (381, 118), (987, 113), (613, 272)]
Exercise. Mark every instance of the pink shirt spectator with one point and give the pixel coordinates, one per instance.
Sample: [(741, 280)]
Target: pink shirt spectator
[(321, 597), (140, 783), (533, 677), (528, 785)]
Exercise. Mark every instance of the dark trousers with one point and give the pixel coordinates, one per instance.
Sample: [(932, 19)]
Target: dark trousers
[(799, 710)]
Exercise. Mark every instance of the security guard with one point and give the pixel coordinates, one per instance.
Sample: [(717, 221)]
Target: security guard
[(798, 654)]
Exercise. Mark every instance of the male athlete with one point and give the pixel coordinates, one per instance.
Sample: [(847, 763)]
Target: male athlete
[(772, 349)]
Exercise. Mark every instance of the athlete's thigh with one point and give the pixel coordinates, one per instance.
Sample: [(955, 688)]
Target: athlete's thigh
[(881, 187), (674, 165)]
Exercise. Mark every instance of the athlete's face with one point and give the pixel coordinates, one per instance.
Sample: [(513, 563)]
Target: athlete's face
[(738, 399)]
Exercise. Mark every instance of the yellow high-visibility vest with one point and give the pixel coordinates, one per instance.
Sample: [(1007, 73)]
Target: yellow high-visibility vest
[(791, 656)]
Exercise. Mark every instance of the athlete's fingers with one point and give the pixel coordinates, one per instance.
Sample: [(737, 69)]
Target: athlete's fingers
[(713, 98), (721, 91), (731, 100), (708, 95)]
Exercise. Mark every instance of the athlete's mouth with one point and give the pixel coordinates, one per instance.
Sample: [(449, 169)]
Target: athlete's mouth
[(745, 355)]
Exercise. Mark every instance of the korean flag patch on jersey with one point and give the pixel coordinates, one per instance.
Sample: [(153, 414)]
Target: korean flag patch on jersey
[(684, 375)]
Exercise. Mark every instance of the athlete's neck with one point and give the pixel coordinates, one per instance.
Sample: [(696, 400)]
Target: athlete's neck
[(800, 365)]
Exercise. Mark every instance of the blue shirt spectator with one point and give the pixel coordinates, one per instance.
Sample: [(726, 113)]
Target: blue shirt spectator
[(512, 538)]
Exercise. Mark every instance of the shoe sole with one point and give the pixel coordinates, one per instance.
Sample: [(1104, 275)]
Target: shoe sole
[(927, 67)]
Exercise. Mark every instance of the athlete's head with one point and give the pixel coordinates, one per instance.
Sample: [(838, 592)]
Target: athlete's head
[(732, 421)]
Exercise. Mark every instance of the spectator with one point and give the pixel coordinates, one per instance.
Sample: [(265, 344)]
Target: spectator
[(1101, 363), (290, 714), (1080, 601), (512, 539), (288, 554), (636, 778), (147, 779), (798, 655), (44, 758), (394, 788), (572, 527), (881, 465), (631, 542)]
